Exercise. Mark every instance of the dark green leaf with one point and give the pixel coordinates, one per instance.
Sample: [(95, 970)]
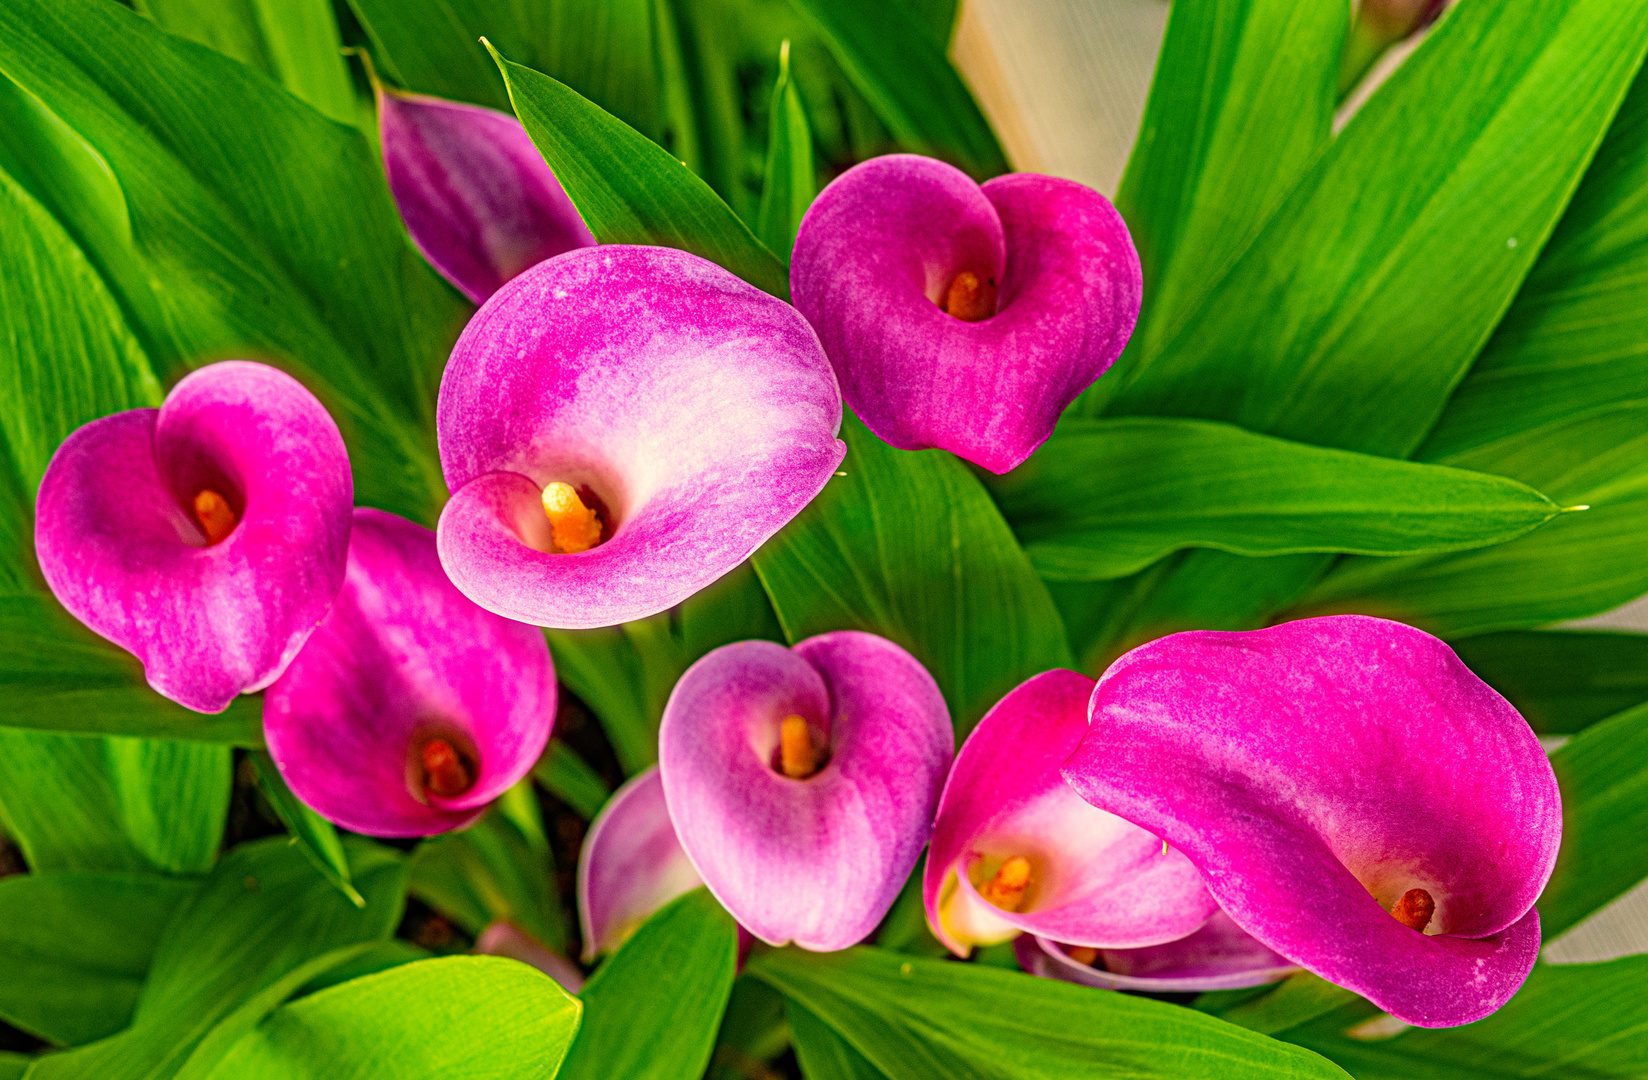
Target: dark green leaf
[(317, 837), (608, 673), (937, 16), (1295, 1000), (1562, 680), (893, 59), (652, 1010), (628, 189), (909, 546), (491, 871), (78, 947), (1105, 498), (569, 778), (787, 185), (735, 608), (915, 1018), (821, 1053)]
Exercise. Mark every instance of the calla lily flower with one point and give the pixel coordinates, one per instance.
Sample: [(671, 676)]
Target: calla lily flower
[(619, 427), (630, 866), (479, 200), (206, 537), (802, 782), (1354, 797), (411, 708), (960, 316), (1015, 849), (1219, 956)]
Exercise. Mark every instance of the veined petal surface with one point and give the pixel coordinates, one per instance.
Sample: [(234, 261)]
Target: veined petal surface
[(1219, 955), (630, 865)]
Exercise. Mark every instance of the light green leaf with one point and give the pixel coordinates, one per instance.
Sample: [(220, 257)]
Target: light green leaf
[(569, 778), (652, 1009), (317, 837), (909, 546), (787, 186), (1561, 681), (78, 947), (1105, 498), (488, 872), (915, 1018), (13, 1065), (628, 189)]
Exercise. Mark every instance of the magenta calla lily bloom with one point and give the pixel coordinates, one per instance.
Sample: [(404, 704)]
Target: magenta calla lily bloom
[(411, 708), (619, 427), (960, 316), (1015, 849), (802, 782), (1354, 797), (206, 537), (631, 865), (479, 200), (1219, 956)]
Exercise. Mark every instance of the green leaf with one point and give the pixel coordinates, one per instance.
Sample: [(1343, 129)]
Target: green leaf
[(1562, 680), (1603, 772), (569, 778), (314, 835), (735, 608), (77, 948), (1295, 1000), (1350, 330), (607, 672), (488, 872), (909, 546), (13, 1066), (822, 1054), (262, 916), (1170, 484), (652, 1010), (295, 41), (452, 1018), (787, 185), (893, 59), (915, 1018), (113, 804), (628, 189)]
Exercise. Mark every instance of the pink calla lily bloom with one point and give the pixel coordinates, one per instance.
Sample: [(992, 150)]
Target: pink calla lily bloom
[(479, 200), (960, 316), (1015, 850), (631, 865), (619, 427), (1219, 956), (206, 537), (802, 782), (1355, 798), (411, 708)]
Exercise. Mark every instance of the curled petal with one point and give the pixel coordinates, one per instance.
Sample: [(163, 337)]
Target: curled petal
[(1095, 879), (817, 860), (405, 662), (1319, 772), (877, 258), (122, 546), (1219, 956), (630, 866), (479, 200), (695, 411)]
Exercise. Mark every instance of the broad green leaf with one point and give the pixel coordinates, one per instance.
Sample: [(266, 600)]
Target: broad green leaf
[(295, 41), (628, 189), (1296, 1000), (13, 1065), (735, 608), (753, 1031), (821, 1053), (569, 778), (1241, 104), (488, 872), (313, 834), (1579, 1021), (1578, 565), (1106, 498), (451, 1018), (891, 56), (1562, 680), (909, 546), (916, 1018), (938, 17), (652, 1010), (1576, 338), (77, 948), (261, 916), (113, 804), (787, 185), (1603, 772), (608, 673), (1350, 329)]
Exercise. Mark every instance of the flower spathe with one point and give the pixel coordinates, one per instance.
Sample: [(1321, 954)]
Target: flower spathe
[(802, 782), (1355, 798), (478, 199), (411, 708), (960, 316), (620, 426), (1219, 955), (630, 865), (206, 537), (1084, 876)]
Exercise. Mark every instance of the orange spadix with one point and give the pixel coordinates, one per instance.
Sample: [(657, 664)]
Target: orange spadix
[(796, 757), (217, 518), (970, 298), (1414, 909), (573, 526), (444, 772), (1006, 889)]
